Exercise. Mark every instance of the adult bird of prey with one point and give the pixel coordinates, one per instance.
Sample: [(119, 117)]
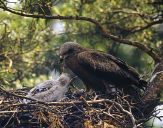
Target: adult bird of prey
[(50, 90), (100, 71)]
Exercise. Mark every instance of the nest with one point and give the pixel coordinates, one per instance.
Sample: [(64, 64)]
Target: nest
[(78, 109)]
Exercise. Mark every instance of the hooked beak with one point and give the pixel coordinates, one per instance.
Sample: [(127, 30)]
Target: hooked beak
[(61, 59)]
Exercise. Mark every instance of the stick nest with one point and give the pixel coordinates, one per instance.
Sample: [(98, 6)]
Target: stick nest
[(77, 110)]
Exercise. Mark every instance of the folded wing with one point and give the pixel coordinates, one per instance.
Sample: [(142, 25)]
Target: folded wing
[(106, 65)]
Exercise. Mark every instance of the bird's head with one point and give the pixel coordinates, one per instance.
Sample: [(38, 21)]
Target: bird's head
[(64, 79), (69, 48)]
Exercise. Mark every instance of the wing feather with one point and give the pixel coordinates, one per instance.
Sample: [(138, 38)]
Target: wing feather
[(105, 63), (42, 87)]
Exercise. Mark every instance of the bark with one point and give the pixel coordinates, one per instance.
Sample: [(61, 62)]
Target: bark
[(151, 96)]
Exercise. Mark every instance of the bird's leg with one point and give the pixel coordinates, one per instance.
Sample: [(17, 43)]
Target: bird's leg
[(75, 87), (71, 82), (73, 79), (110, 89), (88, 89)]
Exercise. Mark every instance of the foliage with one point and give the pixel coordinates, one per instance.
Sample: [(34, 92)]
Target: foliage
[(23, 44), (28, 46)]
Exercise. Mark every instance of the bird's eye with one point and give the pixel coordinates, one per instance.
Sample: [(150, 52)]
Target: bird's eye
[(70, 50)]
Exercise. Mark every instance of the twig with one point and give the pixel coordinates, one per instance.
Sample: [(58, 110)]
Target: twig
[(22, 97), (15, 111), (57, 103), (104, 32), (84, 101), (9, 120), (127, 113), (108, 114)]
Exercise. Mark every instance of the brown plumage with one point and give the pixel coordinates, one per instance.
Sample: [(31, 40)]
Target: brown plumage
[(99, 70)]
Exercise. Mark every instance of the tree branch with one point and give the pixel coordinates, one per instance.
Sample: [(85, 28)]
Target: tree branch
[(143, 16), (104, 32), (140, 28)]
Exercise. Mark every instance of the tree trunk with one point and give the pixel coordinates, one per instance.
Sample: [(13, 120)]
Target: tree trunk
[(151, 96)]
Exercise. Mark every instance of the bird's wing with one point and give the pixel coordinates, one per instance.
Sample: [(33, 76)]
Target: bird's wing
[(124, 65), (104, 63), (42, 87), (48, 95)]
